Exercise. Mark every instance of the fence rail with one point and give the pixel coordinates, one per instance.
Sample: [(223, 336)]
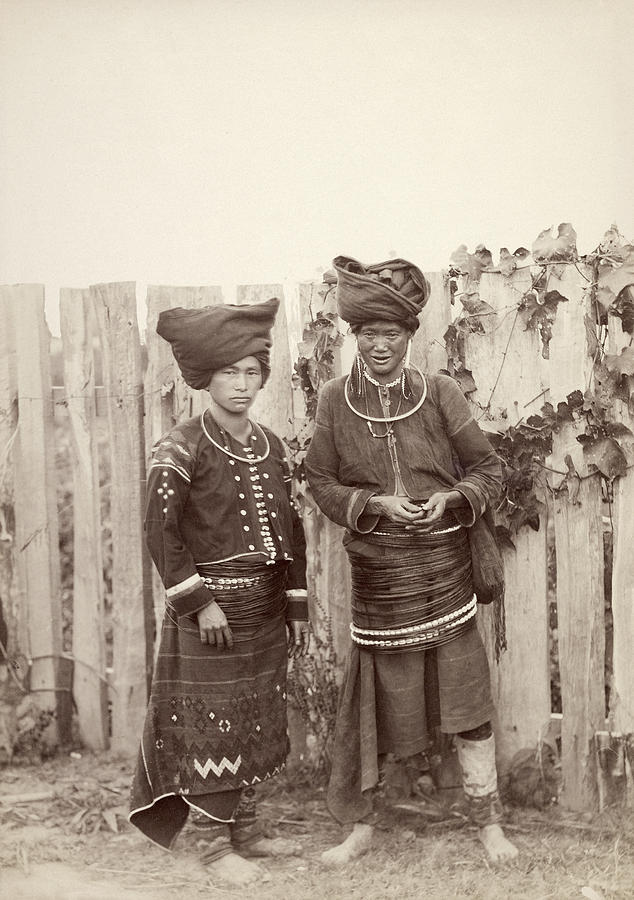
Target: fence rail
[(108, 431)]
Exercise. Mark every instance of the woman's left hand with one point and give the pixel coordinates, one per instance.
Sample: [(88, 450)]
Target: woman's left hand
[(298, 639), (434, 509)]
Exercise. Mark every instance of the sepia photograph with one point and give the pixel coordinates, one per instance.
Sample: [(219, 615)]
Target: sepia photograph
[(316, 450)]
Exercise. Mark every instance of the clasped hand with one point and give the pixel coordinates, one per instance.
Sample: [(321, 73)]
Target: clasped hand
[(415, 517)]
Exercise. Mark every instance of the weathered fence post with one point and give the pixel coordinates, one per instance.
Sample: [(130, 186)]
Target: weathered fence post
[(89, 652), (579, 550), (428, 346), (328, 571), (132, 617), (12, 623), (168, 399), (37, 544), (621, 714), (581, 635), (505, 362)]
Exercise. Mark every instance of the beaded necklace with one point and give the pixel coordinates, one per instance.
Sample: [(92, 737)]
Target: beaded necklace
[(395, 418), (389, 384), (253, 460)]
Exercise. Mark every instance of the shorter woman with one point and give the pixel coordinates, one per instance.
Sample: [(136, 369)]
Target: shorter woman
[(224, 535)]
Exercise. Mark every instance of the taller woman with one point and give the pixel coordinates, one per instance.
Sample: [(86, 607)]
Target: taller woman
[(398, 460)]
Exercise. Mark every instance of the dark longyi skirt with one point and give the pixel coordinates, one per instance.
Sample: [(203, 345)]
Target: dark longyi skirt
[(390, 702)]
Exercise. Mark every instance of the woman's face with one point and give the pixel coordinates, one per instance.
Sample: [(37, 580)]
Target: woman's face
[(382, 346), (234, 387)]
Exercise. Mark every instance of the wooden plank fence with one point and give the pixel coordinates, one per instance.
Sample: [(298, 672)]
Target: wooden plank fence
[(144, 396)]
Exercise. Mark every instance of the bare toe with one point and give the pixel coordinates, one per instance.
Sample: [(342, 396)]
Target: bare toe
[(235, 869), (498, 847), (356, 844)]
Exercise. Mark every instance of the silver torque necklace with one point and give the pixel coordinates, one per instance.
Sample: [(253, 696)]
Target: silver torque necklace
[(245, 459), (396, 418)]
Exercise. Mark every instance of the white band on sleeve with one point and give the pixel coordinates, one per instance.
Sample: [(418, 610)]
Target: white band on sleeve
[(184, 587)]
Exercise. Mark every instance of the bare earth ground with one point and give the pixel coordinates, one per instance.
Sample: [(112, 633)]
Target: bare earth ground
[(75, 844)]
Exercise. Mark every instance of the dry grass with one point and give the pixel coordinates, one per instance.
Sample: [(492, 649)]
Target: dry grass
[(560, 856)]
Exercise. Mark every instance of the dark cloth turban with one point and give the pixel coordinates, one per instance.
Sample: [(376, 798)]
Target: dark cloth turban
[(205, 340), (394, 291)]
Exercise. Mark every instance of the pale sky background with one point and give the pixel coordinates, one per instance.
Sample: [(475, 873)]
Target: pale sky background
[(191, 142)]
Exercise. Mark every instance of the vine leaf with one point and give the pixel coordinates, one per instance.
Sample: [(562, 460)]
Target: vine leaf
[(482, 316), (454, 338), (508, 262), (613, 247), (605, 455), (561, 248), (623, 308), (540, 309), (471, 264), (572, 481), (555, 418), (623, 364), (614, 279)]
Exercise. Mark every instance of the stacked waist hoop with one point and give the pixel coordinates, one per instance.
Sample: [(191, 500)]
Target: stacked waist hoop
[(216, 719), (415, 593)]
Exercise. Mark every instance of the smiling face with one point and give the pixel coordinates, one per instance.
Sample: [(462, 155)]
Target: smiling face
[(382, 346), (234, 387)]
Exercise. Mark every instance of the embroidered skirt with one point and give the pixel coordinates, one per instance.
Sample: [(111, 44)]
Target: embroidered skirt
[(216, 719)]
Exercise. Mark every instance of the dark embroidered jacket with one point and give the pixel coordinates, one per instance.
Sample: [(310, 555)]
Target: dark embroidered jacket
[(203, 506)]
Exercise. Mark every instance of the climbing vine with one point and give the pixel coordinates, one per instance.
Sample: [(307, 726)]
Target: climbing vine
[(315, 366), (525, 447)]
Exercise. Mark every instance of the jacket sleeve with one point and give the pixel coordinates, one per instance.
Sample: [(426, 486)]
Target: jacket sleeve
[(480, 475), (342, 504), (167, 492)]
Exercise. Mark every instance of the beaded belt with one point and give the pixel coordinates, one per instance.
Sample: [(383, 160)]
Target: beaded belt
[(394, 534), (247, 600), (215, 583), (428, 634)]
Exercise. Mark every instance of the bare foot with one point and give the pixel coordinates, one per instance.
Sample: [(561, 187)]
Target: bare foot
[(356, 844), (497, 846), (272, 847), (235, 870)]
